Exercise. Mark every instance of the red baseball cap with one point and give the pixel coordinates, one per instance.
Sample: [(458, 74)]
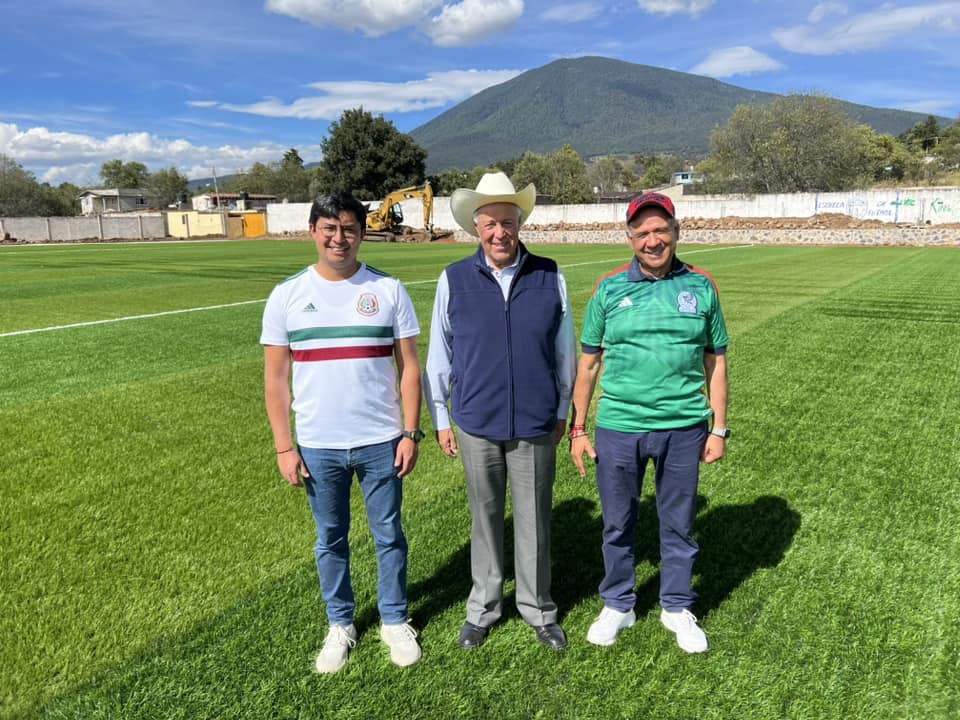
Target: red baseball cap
[(647, 199)]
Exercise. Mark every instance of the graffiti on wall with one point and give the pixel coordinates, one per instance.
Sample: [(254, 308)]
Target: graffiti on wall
[(939, 207), (898, 208)]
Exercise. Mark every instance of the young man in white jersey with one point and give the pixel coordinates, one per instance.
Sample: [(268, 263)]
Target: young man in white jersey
[(347, 334)]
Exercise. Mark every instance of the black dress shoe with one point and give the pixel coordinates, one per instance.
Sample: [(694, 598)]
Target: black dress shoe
[(472, 636), (552, 636)]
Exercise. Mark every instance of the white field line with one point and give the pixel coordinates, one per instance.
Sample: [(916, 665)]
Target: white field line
[(251, 302), (684, 253), (129, 317)]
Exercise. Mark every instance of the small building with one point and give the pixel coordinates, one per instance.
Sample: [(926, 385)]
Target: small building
[(231, 201), (97, 201)]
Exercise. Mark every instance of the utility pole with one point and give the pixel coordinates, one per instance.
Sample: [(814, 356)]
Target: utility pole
[(216, 190)]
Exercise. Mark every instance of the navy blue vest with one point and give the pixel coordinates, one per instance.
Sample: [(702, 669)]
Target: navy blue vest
[(504, 381)]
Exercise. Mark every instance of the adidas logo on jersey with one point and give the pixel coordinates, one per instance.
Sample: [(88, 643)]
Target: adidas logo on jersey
[(309, 308), (625, 303)]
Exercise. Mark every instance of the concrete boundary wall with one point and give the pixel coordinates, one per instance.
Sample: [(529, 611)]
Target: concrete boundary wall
[(919, 206), (287, 218), (101, 227)]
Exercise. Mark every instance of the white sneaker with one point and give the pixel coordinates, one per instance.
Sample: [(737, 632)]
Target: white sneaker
[(402, 640), (684, 624), (608, 625), (337, 645)]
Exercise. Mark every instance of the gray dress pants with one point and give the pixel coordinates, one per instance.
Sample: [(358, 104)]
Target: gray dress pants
[(530, 466)]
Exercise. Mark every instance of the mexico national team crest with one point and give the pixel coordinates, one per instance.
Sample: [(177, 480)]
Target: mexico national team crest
[(367, 305), (687, 302)]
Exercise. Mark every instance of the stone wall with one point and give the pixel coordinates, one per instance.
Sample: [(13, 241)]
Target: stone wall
[(921, 236)]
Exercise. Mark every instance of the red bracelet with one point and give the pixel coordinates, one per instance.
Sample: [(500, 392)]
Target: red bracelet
[(578, 431)]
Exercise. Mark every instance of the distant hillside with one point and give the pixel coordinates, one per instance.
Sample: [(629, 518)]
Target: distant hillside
[(601, 106)]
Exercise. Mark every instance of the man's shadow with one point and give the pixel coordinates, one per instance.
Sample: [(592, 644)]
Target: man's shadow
[(735, 541)]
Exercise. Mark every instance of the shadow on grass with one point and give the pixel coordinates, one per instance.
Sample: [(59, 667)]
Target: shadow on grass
[(735, 541), (577, 568), (253, 659)]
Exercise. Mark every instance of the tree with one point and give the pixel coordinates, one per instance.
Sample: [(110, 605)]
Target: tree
[(20, 193), (290, 179), (118, 174), (658, 169), (948, 149), (532, 168), (569, 177), (609, 174), (258, 180), (22, 196), (62, 200), (796, 143), (562, 176), (165, 185), (923, 136), (369, 157), (448, 181), (889, 158)]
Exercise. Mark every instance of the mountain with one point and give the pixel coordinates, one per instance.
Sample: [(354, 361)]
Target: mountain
[(601, 107)]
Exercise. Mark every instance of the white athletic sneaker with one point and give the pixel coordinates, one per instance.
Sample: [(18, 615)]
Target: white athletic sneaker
[(337, 645), (608, 625), (684, 624), (402, 640)]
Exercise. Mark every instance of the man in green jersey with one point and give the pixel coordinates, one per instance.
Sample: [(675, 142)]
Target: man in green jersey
[(656, 328)]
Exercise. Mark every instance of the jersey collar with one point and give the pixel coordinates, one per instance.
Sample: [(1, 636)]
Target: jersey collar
[(636, 274)]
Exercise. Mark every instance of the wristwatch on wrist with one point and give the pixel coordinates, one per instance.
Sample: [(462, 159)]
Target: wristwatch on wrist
[(721, 432), (415, 435)]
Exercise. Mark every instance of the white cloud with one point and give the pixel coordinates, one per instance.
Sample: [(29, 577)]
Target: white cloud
[(571, 13), (941, 106), (471, 21), (732, 61), (693, 8), (372, 17), (869, 30), (826, 9), (202, 103), (82, 174), (61, 156), (468, 22), (436, 90)]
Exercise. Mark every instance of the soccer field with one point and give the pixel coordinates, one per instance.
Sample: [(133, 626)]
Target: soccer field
[(153, 564)]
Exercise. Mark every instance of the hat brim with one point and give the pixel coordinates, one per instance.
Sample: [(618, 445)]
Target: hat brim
[(464, 203)]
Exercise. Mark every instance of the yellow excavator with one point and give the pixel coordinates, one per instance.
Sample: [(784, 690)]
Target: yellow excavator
[(386, 222)]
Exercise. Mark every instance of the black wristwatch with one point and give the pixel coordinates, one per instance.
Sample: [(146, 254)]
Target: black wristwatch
[(415, 435), (721, 432)]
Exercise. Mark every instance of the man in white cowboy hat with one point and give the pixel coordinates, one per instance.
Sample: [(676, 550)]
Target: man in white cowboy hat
[(503, 356)]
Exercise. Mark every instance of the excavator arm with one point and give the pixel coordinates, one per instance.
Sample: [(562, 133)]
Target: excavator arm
[(388, 217)]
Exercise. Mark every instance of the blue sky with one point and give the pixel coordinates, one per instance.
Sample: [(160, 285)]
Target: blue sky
[(226, 83)]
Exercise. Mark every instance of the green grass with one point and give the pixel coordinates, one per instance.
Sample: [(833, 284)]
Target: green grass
[(154, 565)]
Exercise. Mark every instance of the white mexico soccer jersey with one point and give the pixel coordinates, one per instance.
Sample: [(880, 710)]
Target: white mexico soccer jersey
[(341, 336)]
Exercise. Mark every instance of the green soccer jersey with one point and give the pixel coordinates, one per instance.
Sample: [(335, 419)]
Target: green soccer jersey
[(654, 333)]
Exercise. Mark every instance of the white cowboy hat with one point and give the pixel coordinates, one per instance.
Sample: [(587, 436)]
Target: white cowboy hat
[(492, 188)]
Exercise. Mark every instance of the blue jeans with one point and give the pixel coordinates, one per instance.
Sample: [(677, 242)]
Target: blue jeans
[(621, 461), (328, 490)]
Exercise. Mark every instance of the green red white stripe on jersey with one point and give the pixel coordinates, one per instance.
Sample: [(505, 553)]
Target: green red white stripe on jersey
[(340, 351)]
